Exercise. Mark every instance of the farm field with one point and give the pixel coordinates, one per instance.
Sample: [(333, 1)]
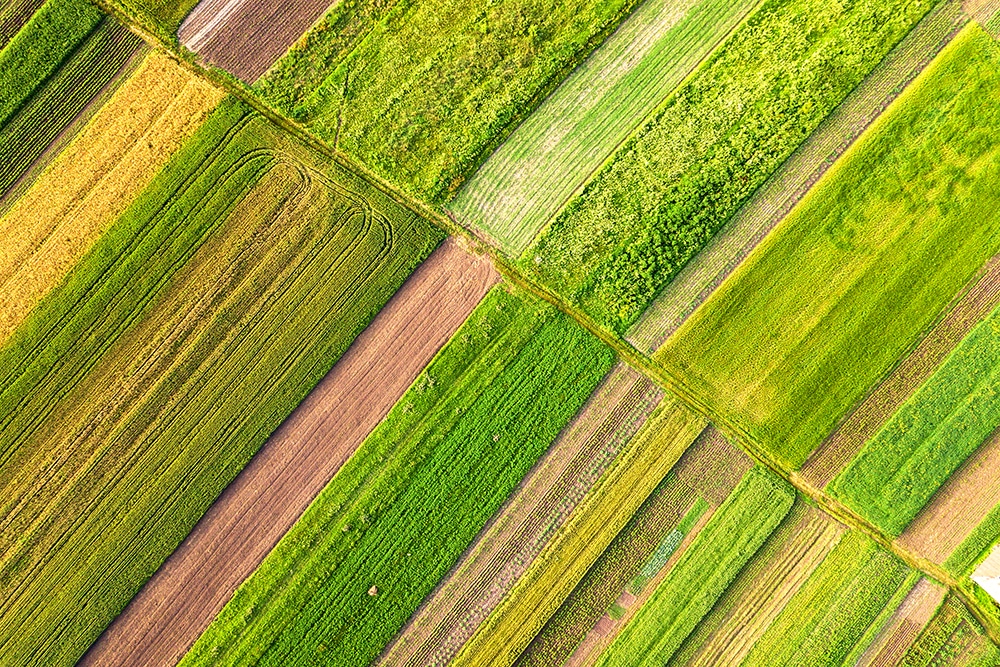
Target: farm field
[(246, 37), (273, 490), (675, 182), (402, 510), (508, 334), (943, 423), (542, 503), (532, 174), (780, 347), (141, 386), (770, 203), (422, 98), (91, 182)]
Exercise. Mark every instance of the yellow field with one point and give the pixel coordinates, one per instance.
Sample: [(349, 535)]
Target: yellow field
[(94, 179)]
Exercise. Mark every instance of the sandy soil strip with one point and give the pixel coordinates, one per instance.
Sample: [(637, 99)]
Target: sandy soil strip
[(712, 466), (978, 300), (269, 495), (958, 506), (246, 37), (904, 625), (542, 503), (769, 205)]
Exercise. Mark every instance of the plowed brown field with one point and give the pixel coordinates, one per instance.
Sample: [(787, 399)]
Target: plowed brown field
[(269, 495)]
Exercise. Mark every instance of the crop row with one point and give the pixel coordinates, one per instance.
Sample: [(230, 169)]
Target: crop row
[(952, 637), (737, 529), (670, 188), (782, 347), (54, 106), (401, 511), (140, 387), (896, 472), (13, 15)]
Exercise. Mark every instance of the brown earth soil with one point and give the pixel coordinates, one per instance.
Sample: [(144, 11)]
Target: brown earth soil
[(542, 503), (269, 495), (712, 467), (958, 506), (902, 628), (246, 37), (974, 303)]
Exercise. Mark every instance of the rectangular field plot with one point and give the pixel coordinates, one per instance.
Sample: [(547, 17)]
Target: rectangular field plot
[(525, 181), (672, 185), (427, 93), (139, 388), (401, 511), (848, 282)]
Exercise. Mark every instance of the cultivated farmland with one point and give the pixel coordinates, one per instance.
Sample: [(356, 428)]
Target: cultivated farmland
[(400, 512), (952, 638), (145, 382), (782, 347), (671, 186), (532, 174)]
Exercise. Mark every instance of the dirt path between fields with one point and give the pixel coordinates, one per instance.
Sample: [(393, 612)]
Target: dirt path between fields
[(246, 37), (257, 509)]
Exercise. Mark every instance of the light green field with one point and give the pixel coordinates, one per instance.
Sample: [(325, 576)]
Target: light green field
[(525, 182), (868, 259)]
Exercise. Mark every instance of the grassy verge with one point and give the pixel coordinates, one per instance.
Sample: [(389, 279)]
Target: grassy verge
[(668, 189), (896, 472), (732, 536), (408, 503), (846, 284)]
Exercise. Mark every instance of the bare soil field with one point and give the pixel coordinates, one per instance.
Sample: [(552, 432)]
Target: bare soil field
[(958, 506), (246, 37), (712, 466), (902, 628), (539, 506), (974, 303), (267, 497), (772, 202)]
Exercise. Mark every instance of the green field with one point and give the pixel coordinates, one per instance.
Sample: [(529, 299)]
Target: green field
[(869, 258), (671, 186), (426, 95), (532, 174), (829, 614), (732, 536), (403, 509), (139, 388), (895, 474)]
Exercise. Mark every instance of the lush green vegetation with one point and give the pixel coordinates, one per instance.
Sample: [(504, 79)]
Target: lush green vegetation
[(610, 574), (41, 46), (408, 503), (139, 388), (739, 527), (833, 609), (531, 175), (13, 15), (663, 195), (55, 104), (953, 637), (162, 17), (844, 286), (428, 93), (896, 472)]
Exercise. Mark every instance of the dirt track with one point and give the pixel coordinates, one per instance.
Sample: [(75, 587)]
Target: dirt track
[(246, 37), (269, 495)]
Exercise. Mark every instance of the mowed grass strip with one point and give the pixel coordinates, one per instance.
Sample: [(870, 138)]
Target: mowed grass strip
[(896, 472), (531, 175), (56, 105), (94, 180), (402, 510), (846, 284), (137, 390), (824, 620), (595, 523), (40, 47), (428, 92), (690, 167), (737, 529)]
